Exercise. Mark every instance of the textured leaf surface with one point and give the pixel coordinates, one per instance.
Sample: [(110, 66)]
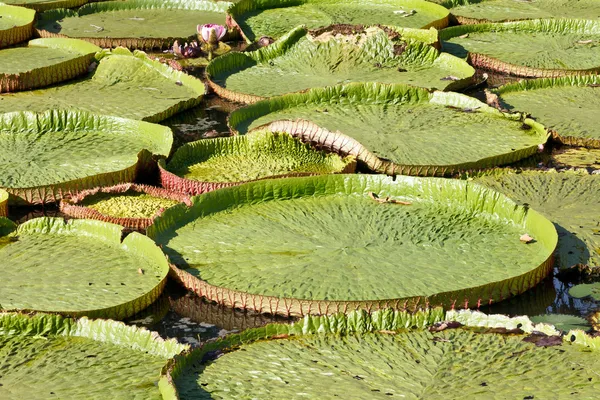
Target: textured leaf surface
[(46, 356), (400, 125), (505, 10), (128, 205), (3, 203), (16, 24), (585, 290), (44, 62), (41, 149), (578, 157), (79, 268), (43, 5), (275, 236), (124, 85), (135, 19), (301, 60), (568, 199), (412, 364), (551, 44), (563, 322), (275, 17), (251, 157), (570, 106)]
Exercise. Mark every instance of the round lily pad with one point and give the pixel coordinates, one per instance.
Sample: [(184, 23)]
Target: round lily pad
[(569, 199), (568, 106), (44, 62), (3, 203), (578, 157), (586, 290), (79, 267), (124, 84), (563, 322), (136, 24), (44, 5), (50, 356), (374, 357), (479, 11), (274, 18), (211, 164), (380, 242), (129, 205), (398, 129), (16, 24), (541, 48), (302, 60), (45, 155)]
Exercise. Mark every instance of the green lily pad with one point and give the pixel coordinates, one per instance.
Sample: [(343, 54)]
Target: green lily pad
[(577, 157), (398, 129), (569, 199), (532, 49), (274, 18), (136, 24), (568, 106), (380, 242), (586, 290), (130, 205), (372, 357), (124, 84), (44, 62), (80, 267), (49, 356), (3, 203), (563, 322), (210, 164), (45, 154), (302, 60), (44, 5), (16, 24), (478, 11)]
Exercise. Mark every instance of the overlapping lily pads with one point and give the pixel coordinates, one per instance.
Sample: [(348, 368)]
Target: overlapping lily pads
[(43, 156), (479, 11), (380, 242), (398, 129), (541, 48), (136, 24), (44, 5), (49, 356), (16, 24), (569, 106), (44, 62), (569, 199), (273, 18), (211, 164), (374, 356), (79, 267), (341, 54), (130, 205), (124, 84)]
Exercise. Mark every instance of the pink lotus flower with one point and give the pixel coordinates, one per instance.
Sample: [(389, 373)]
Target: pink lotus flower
[(211, 33)]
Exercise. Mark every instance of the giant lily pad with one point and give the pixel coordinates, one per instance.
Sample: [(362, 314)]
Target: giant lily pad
[(49, 356), (44, 5), (569, 199), (3, 203), (398, 129), (478, 11), (124, 84), (44, 62), (44, 155), (130, 205), (534, 49), (302, 60), (138, 24), (568, 106), (211, 164), (586, 290), (79, 267), (273, 18), (16, 24), (362, 356), (380, 242)]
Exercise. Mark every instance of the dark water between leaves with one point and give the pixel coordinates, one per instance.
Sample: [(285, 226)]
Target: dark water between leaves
[(182, 315)]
